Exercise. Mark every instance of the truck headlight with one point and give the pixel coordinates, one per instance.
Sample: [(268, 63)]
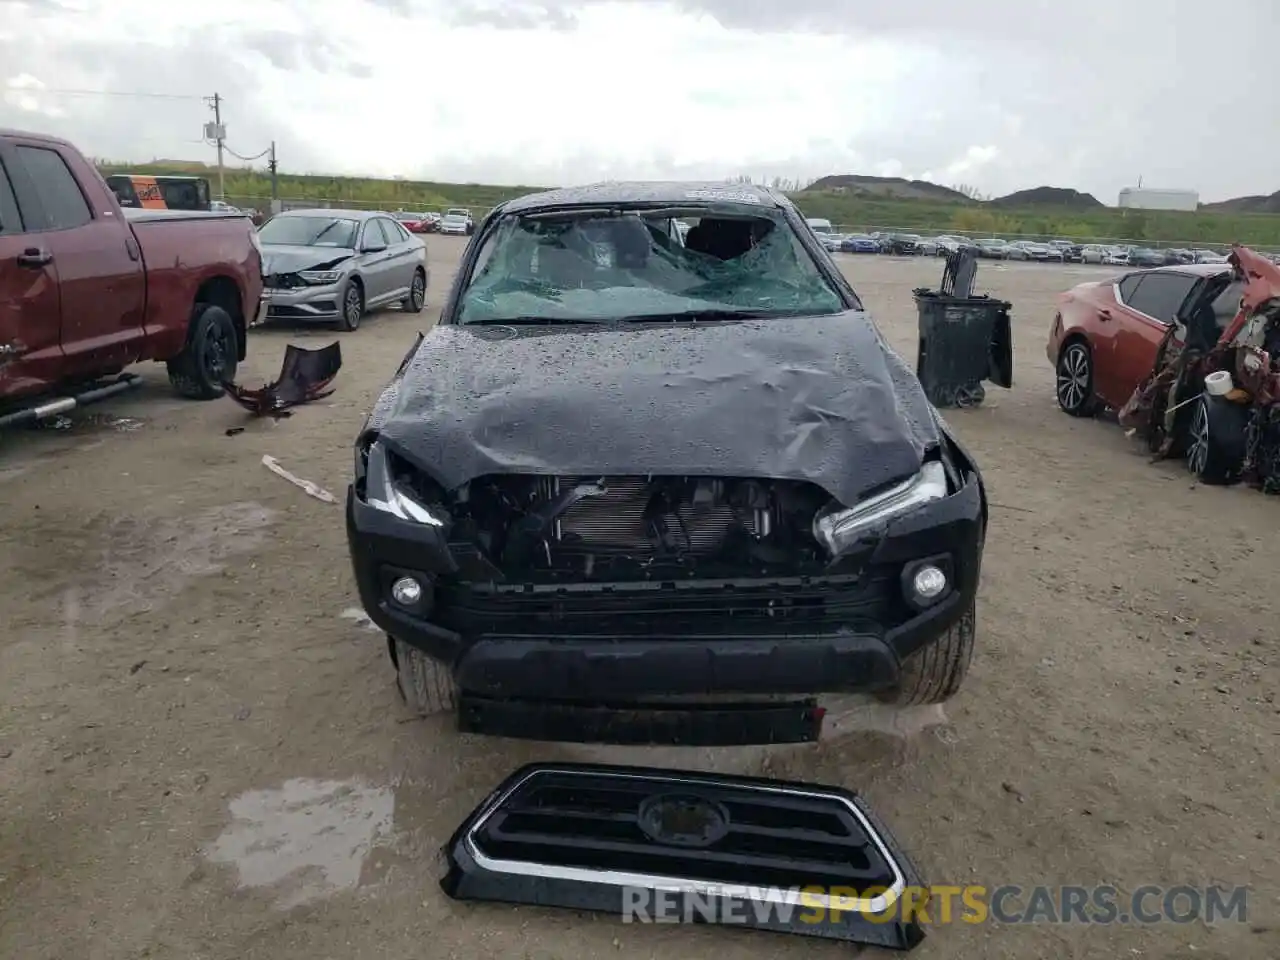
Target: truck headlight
[(382, 492), (837, 528)]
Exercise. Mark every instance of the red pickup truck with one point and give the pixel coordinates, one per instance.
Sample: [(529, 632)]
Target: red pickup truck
[(87, 290)]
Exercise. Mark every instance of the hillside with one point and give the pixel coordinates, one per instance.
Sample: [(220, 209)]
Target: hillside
[(1062, 198), (1269, 204), (887, 188), (252, 188), (878, 203)]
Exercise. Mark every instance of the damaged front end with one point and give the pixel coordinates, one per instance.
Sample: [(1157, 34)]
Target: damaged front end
[(1216, 399), (643, 609)]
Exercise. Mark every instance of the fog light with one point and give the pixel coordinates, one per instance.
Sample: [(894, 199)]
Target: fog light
[(929, 583), (407, 591)]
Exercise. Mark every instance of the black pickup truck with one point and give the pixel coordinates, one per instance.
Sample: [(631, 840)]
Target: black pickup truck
[(635, 489)]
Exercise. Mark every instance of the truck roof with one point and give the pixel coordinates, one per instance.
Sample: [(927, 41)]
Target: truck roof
[(661, 191), (31, 135)]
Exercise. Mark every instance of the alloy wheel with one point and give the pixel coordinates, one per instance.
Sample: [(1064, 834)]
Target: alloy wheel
[(418, 291), (1073, 377), (1198, 440), (353, 306)]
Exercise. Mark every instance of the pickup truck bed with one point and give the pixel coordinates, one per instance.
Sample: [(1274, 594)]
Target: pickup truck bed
[(87, 289)]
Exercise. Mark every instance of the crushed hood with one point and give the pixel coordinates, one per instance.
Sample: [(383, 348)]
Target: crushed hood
[(818, 399), (285, 258)]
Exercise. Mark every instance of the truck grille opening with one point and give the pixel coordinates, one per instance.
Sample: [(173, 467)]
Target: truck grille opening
[(578, 835), (585, 524), (616, 519)]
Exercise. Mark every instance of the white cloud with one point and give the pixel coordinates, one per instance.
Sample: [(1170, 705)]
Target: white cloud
[(1002, 97)]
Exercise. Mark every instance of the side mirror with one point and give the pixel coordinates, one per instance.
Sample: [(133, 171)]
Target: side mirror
[(373, 248)]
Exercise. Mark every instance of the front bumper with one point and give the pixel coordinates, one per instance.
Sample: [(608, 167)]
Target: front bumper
[(304, 303), (584, 648)]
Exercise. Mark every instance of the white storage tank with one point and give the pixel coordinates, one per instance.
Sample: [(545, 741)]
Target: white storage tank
[(1148, 198)]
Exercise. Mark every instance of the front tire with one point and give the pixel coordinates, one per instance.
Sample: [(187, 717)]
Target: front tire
[(352, 306), (1075, 380), (425, 684), (210, 356), (934, 673)]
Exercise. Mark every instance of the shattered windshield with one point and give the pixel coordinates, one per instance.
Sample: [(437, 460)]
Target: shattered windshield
[(633, 265), (309, 231)]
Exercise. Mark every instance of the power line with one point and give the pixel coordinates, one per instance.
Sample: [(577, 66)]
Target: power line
[(66, 92), (256, 156)]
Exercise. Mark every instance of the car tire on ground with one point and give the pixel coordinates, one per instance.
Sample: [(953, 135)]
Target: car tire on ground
[(1074, 379), (352, 305), (1216, 440), (210, 356), (934, 673), (424, 683), (417, 298)]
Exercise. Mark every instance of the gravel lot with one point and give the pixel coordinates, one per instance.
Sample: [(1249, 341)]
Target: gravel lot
[(202, 753)]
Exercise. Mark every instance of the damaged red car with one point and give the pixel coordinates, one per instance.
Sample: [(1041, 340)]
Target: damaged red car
[(1188, 356), (1213, 394), (1106, 333)]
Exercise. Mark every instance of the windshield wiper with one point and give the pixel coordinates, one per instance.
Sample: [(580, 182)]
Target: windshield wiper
[(710, 316), (529, 321), (323, 231)]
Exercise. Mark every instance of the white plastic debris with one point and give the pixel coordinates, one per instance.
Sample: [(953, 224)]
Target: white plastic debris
[(311, 489)]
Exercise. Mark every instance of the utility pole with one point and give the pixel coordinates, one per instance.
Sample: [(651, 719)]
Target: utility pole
[(219, 137), (275, 183)]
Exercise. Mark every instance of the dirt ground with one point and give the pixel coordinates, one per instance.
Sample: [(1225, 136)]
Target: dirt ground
[(202, 753)]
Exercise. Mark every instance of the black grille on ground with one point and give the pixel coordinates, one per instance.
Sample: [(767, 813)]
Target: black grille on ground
[(579, 836), (643, 608), (767, 837)]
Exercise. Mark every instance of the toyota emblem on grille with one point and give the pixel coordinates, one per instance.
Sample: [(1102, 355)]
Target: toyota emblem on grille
[(683, 821)]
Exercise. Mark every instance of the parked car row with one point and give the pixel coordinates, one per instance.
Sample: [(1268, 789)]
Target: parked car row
[(995, 248), (455, 220)]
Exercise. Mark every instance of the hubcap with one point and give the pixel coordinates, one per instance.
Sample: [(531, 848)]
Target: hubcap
[(1073, 377), (1198, 448)]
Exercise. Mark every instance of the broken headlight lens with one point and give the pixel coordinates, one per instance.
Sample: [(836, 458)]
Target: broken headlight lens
[(383, 492), (839, 528)]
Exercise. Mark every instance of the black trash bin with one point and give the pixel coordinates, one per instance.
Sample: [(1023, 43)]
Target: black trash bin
[(963, 341)]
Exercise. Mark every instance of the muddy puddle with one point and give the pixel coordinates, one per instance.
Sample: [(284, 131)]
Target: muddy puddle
[(81, 423), (306, 840), (57, 436)]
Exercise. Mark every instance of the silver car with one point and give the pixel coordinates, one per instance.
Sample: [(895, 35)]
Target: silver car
[(338, 265), (457, 221)]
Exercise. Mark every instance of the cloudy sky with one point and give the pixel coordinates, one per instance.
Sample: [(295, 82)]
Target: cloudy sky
[(999, 94)]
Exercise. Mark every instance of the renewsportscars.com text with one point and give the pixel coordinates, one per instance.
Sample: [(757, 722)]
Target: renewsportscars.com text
[(940, 904)]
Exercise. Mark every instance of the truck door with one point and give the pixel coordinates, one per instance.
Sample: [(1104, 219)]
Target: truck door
[(99, 265), (30, 318)]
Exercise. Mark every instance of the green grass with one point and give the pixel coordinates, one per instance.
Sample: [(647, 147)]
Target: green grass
[(852, 212)]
